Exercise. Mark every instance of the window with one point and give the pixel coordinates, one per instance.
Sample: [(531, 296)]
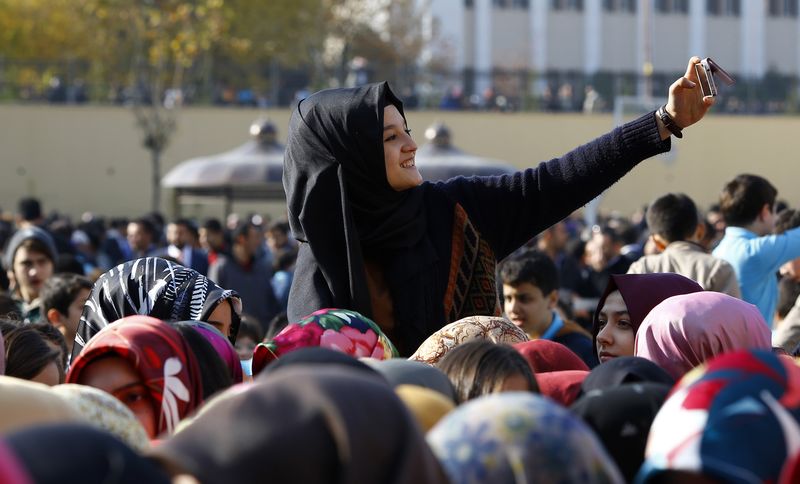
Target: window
[(469, 3), (519, 4), (783, 8), (729, 8), (626, 6), (576, 5), (672, 6)]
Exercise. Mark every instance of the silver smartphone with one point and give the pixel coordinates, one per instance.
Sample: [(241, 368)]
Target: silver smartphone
[(706, 71)]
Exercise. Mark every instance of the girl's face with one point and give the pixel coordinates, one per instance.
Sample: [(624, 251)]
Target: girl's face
[(115, 375), (616, 336), (399, 150)]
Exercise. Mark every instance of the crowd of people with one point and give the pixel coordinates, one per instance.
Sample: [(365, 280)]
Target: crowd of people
[(470, 331)]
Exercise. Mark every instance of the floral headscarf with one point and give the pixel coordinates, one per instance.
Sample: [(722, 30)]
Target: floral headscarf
[(338, 329), (684, 331), (152, 287), (490, 328), (737, 419), (519, 437), (160, 355)]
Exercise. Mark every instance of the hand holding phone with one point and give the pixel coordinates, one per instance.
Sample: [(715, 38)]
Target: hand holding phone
[(706, 71)]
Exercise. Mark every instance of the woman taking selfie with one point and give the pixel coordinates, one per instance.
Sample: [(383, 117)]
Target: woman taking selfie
[(415, 256)]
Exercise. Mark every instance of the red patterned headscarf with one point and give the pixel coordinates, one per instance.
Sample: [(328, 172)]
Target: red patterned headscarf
[(160, 355)]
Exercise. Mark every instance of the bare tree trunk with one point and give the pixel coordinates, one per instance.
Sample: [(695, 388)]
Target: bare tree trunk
[(155, 158)]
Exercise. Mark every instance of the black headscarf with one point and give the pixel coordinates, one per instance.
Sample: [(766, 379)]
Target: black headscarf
[(309, 424), (621, 416), (152, 287), (338, 196), (625, 369), (78, 453)]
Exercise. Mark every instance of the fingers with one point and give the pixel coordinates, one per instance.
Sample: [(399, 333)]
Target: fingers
[(709, 100), (690, 68)]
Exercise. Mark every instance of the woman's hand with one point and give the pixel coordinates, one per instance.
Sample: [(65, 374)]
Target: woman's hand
[(686, 103)]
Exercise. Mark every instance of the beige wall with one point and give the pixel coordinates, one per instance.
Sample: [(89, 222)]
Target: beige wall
[(90, 159)]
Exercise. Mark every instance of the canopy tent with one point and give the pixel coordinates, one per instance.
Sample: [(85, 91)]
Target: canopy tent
[(253, 171), (440, 160)]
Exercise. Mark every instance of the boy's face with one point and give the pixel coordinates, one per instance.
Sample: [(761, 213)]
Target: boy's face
[(74, 314), (526, 306), (30, 270)]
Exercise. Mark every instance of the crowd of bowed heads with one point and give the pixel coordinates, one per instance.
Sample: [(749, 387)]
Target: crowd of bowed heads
[(390, 330)]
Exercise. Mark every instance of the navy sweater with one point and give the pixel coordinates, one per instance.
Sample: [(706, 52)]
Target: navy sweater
[(502, 213)]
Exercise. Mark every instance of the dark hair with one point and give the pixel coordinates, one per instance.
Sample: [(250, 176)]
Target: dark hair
[(248, 326), (54, 336), (243, 229), (9, 324), (214, 225), (533, 267), (214, 373), (147, 225), (9, 307), (743, 198), (27, 353), (60, 291), (787, 219), (478, 368), (276, 325), (788, 292), (29, 209), (34, 245), (283, 259), (673, 217), (190, 225)]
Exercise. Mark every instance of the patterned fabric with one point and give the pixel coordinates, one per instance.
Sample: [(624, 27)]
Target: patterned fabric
[(223, 347), (152, 287), (735, 420), (103, 411), (544, 356), (160, 355), (3, 358), (490, 328), (339, 329), (516, 438), (686, 330), (471, 287)]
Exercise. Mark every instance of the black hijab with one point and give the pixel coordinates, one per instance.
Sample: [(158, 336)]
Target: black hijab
[(152, 287), (621, 416), (78, 453), (625, 369), (338, 196)]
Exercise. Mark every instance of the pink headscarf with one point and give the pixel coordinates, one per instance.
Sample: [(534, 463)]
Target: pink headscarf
[(685, 331)]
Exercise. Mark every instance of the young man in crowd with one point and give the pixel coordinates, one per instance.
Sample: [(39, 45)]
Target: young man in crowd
[(142, 238), (184, 242), (530, 296), (30, 260), (676, 230), (749, 245), (248, 272), (62, 300)]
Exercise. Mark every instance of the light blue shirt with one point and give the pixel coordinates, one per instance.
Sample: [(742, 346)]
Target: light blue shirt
[(756, 261)]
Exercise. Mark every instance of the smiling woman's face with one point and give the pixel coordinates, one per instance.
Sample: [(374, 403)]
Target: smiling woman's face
[(399, 150), (115, 375), (616, 335)]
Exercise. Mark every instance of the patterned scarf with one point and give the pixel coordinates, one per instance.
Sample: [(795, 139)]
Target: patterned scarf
[(162, 358), (152, 287)]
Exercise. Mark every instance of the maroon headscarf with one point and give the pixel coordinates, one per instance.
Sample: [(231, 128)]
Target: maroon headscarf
[(160, 355), (643, 292), (545, 355), (563, 387)]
